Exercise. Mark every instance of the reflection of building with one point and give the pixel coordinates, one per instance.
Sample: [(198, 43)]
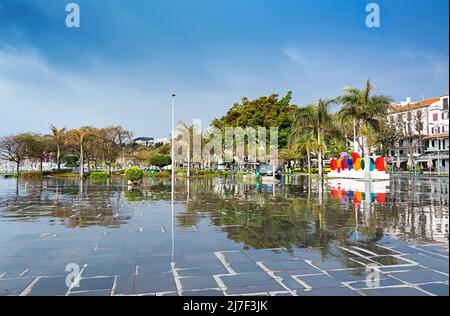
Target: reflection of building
[(430, 222), (424, 127)]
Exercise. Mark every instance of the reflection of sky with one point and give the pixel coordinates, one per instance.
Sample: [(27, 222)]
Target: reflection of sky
[(129, 55)]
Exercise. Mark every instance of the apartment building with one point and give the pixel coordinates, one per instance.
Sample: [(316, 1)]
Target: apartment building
[(424, 130)]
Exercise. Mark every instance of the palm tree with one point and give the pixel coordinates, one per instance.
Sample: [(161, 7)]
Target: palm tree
[(188, 132), (315, 119), (290, 153), (58, 137), (80, 137), (366, 109), (307, 143)]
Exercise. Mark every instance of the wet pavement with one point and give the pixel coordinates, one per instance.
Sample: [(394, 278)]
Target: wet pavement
[(225, 237)]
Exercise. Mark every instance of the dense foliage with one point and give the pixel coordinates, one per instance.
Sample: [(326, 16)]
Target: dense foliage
[(264, 112), (134, 174)]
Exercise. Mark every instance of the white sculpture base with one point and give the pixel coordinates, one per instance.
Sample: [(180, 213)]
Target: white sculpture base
[(360, 175)]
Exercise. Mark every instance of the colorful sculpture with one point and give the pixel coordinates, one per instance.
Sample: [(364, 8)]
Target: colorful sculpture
[(354, 167)]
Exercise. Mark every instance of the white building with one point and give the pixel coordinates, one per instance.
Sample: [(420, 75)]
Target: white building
[(430, 138), (437, 140)]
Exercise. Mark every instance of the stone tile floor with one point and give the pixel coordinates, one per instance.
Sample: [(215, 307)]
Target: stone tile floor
[(388, 269)]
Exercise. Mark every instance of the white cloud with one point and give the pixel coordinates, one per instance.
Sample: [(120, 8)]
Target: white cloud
[(434, 65)]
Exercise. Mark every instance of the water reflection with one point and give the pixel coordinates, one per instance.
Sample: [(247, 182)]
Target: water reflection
[(300, 212)]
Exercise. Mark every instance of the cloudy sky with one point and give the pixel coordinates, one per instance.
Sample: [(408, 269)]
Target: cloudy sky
[(129, 55)]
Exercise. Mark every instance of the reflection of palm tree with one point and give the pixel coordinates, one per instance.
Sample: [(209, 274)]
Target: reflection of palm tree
[(58, 139), (367, 110)]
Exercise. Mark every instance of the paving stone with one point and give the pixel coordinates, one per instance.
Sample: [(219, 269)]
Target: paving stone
[(153, 283), (13, 287), (268, 255), (93, 284), (439, 289), (203, 293), (246, 279), (245, 267), (320, 281), (298, 265), (254, 289), (202, 271), (54, 286), (289, 281), (383, 282), (420, 275), (91, 293), (237, 258), (405, 291), (333, 264), (329, 291), (427, 261), (349, 275), (155, 268), (124, 285), (198, 283)]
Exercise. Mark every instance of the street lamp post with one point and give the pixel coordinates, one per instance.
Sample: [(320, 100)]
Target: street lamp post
[(173, 141), (173, 179)]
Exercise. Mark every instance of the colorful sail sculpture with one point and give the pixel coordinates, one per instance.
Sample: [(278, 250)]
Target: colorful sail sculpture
[(354, 167)]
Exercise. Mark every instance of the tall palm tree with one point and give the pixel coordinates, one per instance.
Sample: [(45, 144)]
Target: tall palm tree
[(315, 119), (58, 137), (80, 137), (367, 110), (188, 132), (307, 143)]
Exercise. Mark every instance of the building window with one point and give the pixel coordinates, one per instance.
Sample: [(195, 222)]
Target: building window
[(435, 130), (445, 101), (445, 115), (435, 117)]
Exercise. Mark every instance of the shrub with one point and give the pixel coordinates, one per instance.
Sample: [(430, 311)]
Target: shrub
[(134, 174)]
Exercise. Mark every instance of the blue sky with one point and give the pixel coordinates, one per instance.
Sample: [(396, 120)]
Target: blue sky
[(129, 55)]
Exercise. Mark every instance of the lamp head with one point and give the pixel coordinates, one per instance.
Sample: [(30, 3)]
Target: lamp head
[(174, 95)]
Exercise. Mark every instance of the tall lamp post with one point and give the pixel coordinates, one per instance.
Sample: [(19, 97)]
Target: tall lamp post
[(173, 177), (173, 139)]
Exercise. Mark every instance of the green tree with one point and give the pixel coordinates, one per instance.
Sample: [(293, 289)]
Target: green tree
[(160, 160), (307, 143), (262, 112), (78, 138), (366, 109)]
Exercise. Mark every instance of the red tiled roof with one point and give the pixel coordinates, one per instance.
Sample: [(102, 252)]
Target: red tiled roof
[(417, 105), (429, 102)]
